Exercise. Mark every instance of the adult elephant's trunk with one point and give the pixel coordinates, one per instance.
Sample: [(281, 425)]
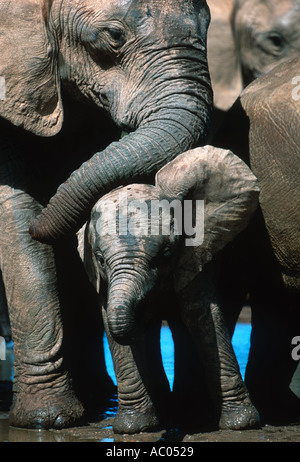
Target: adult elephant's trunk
[(162, 135)]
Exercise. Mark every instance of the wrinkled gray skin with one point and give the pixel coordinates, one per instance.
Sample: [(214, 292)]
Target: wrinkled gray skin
[(74, 71), (263, 264), (246, 39), (148, 275)]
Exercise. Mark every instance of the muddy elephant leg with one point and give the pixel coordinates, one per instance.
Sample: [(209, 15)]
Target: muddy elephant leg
[(205, 322), (137, 407), (43, 396)]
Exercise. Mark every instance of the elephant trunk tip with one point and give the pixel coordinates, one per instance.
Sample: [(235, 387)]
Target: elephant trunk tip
[(37, 233), (40, 230), (123, 330)]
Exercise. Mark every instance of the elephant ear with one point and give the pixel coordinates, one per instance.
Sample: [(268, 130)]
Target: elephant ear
[(229, 192), (223, 60), (86, 254), (30, 94)]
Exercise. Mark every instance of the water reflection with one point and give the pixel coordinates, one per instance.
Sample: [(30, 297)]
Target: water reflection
[(16, 435)]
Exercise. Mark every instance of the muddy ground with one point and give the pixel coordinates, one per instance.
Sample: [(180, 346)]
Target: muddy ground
[(102, 432)]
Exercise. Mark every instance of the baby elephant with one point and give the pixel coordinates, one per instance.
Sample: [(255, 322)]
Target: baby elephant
[(148, 246)]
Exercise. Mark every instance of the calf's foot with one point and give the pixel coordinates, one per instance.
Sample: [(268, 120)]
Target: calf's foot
[(131, 421), (239, 416)]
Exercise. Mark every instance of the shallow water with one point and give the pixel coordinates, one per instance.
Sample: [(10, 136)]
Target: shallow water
[(241, 345)]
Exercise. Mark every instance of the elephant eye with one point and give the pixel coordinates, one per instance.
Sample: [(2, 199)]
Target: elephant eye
[(104, 41), (167, 253), (273, 43), (116, 35), (100, 259), (162, 258)]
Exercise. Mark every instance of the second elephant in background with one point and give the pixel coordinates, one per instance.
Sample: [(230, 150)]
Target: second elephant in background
[(147, 270), (246, 39)]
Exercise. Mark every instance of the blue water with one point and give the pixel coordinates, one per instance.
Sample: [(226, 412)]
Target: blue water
[(241, 345), (240, 342)]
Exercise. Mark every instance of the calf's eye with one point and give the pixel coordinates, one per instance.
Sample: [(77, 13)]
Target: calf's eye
[(274, 43), (100, 259)]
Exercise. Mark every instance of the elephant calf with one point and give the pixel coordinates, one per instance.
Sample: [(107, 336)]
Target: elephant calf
[(144, 259)]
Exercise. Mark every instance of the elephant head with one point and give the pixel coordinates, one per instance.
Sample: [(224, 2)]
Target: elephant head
[(138, 249), (246, 39), (143, 62)]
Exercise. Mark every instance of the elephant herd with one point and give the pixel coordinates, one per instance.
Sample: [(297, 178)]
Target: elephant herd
[(150, 168)]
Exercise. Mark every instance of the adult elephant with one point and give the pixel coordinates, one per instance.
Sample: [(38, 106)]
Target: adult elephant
[(246, 39), (264, 261), (153, 266), (71, 71)]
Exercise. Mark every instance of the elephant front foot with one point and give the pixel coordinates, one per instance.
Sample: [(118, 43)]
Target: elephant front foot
[(134, 421), (45, 410), (239, 416)]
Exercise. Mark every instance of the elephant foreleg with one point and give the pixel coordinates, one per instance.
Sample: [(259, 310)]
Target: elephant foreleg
[(43, 397), (136, 410), (204, 319)]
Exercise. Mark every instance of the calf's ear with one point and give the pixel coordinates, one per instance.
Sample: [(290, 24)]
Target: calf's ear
[(86, 254), (228, 192)]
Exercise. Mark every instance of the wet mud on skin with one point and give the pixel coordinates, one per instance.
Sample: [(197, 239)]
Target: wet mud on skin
[(101, 432)]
